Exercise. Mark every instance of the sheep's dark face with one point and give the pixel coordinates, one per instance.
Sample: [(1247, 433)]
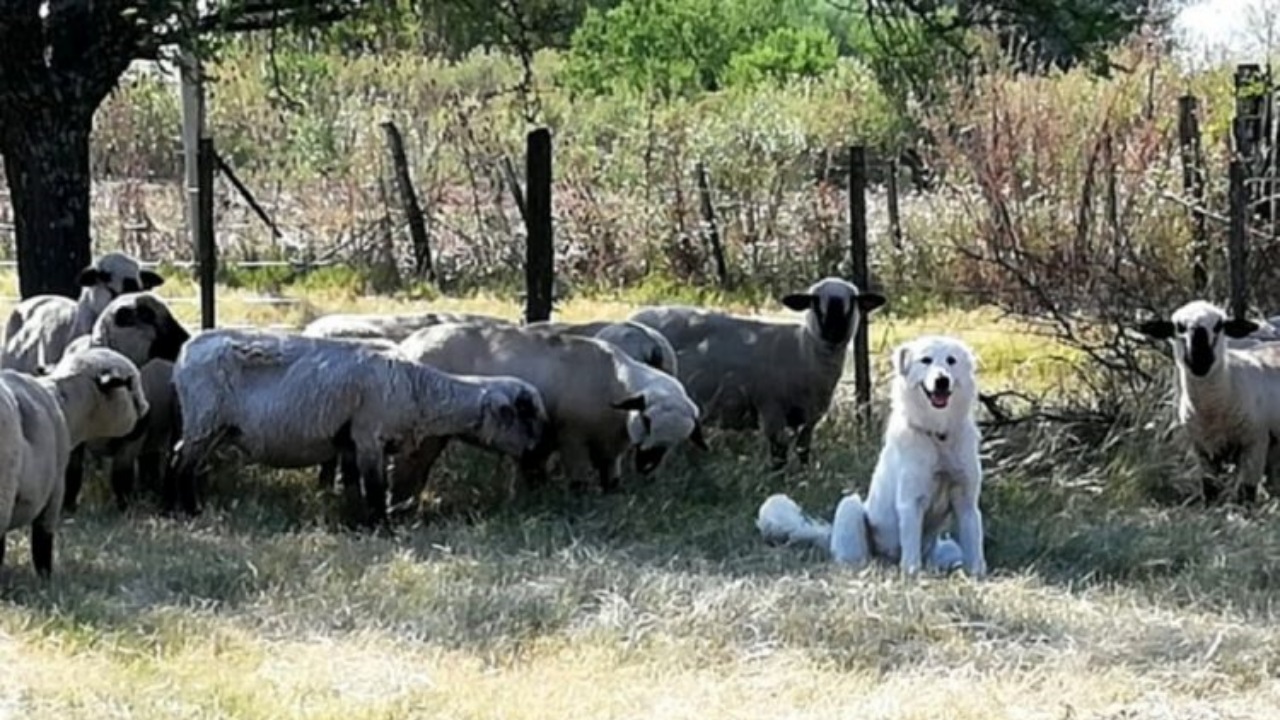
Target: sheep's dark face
[(515, 420), (116, 274), (142, 328), (835, 308), (1198, 332)]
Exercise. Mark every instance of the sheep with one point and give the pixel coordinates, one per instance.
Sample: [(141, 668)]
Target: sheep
[(141, 327), (40, 327), (143, 454), (1228, 398), (290, 401), (387, 327), (640, 342), (599, 400), (746, 372), (93, 394)]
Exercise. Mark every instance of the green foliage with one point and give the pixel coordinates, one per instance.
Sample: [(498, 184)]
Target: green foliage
[(673, 48)]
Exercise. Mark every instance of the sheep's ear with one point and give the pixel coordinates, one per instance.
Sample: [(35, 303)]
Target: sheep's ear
[(870, 301), (125, 317), (1239, 327), (150, 279), (696, 437), (902, 359), (1158, 329), (635, 402), (800, 301), (108, 382), (91, 276)]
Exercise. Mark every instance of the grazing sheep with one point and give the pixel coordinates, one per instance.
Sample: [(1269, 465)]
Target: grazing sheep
[(141, 327), (1228, 398), (598, 399), (40, 327), (387, 327), (746, 373), (93, 394), (142, 456), (641, 342), (290, 401)]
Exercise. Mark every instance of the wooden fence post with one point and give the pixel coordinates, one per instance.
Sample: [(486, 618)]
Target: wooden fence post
[(710, 226), (1237, 247), (539, 267), (206, 248), (1193, 186), (422, 267), (858, 256)]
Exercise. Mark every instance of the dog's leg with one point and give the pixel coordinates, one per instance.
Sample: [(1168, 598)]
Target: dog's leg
[(964, 504), (911, 525), (850, 544)]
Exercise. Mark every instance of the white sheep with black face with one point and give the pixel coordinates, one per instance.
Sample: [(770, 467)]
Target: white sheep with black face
[(1228, 398), (41, 327), (746, 372)]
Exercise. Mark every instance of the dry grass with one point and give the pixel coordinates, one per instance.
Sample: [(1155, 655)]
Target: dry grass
[(660, 602)]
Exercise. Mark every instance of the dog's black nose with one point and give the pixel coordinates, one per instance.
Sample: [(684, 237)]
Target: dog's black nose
[(942, 384)]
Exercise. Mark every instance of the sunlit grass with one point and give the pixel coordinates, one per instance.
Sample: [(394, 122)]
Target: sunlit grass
[(660, 602)]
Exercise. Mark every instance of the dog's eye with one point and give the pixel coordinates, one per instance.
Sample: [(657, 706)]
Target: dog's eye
[(1180, 327), (951, 360), (926, 360)]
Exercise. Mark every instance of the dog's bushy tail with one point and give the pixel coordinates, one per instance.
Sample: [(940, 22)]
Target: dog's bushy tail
[(782, 522)]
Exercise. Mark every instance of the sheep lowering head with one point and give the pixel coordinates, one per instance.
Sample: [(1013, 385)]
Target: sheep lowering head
[(141, 327), (657, 420), (1198, 333), (835, 308), (513, 418)]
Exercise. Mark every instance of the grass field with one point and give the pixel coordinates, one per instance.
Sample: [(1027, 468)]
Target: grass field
[(660, 602)]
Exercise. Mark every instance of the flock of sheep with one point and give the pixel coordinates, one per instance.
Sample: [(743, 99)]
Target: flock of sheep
[(115, 375)]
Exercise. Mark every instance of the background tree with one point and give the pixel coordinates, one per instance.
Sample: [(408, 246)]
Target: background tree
[(58, 61)]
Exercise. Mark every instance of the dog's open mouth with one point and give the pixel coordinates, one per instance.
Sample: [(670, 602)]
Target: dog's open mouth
[(939, 397)]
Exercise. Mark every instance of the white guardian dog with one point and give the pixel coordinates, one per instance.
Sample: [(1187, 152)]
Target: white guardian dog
[(928, 473)]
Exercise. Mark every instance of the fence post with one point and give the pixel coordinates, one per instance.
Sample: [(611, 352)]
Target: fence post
[(422, 267), (1193, 186), (895, 216), (1236, 245), (206, 248), (539, 267), (858, 256), (710, 226)]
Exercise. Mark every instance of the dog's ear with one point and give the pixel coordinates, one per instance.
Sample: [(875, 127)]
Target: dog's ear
[(1239, 327), (800, 302), (1158, 329), (902, 359)]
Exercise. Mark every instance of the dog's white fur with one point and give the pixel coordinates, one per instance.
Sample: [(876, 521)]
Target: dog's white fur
[(928, 472)]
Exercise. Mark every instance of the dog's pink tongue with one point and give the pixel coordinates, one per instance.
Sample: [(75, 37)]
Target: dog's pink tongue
[(939, 401)]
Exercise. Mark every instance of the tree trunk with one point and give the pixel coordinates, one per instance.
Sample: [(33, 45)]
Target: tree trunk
[(46, 161)]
